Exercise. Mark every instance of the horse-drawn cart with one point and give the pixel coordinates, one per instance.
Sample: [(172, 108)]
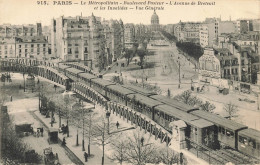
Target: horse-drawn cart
[(50, 158)]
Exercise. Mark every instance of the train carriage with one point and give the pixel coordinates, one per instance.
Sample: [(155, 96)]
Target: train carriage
[(173, 103), (139, 90), (142, 104), (249, 142), (198, 130), (62, 68), (100, 85), (118, 93), (86, 78), (227, 130), (73, 73)]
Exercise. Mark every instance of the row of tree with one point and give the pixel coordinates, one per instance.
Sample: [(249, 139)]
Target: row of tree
[(193, 50), (188, 98)]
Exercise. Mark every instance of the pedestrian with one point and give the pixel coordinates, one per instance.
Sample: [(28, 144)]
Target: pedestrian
[(86, 156), (136, 81), (142, 141), (117, 124), (146, 78), (181, 158), (42, 131), (63, 141), (11, 98)]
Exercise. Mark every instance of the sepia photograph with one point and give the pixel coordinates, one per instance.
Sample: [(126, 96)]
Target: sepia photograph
[(130, 82)]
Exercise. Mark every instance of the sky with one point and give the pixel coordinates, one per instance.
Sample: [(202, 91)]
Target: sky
[(29, 11)]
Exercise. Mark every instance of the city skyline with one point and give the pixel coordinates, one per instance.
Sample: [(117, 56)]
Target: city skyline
[(234, 9)]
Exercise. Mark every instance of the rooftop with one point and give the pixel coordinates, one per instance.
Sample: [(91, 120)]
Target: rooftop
[(144, 99), (119, 88), (102, 82), (173, 103), (218, 120)]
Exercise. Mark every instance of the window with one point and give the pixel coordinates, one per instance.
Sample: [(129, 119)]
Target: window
[(252, 143), (243, 140), (20, 46), (86, 50), (85, 42), (69, 51), (32, 45), (38, 45), (69, 35), (76, 56), (243, 62), (230, 133), (44, 45), (76, 50), (31, 50)]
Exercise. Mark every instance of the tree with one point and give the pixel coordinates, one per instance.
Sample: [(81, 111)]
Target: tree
[(128, 55), (65, 104), (102, 135), (207, 106), (168, 156), (120, 148), (139, 151), (187, 98), (141, 53), (231, 109)]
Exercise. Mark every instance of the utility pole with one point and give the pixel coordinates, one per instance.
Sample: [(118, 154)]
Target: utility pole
[(179, 86), (143, 78)]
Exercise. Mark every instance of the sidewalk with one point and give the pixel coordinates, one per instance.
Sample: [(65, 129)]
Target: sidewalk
[(71, 142)]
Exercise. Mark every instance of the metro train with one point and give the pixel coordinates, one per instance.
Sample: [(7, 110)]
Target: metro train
[(203, 127)]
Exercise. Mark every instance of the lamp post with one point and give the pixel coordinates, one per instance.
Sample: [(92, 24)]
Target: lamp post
[(23, 82), (108, 116)]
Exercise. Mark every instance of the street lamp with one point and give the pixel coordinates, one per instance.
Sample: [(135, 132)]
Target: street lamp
[(108, 116)]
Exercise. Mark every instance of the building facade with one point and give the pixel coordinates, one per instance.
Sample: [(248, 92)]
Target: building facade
[(129, 34), (209, 66), (8, 30)]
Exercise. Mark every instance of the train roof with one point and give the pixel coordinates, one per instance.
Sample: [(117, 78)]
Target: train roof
[(144, 99), (87, 76), (172, 111), (139, 90), (102, 82), (252, 133), (201, 123), (219, 120), (62, 66), (120, 89), (174, 103), (186, 117), (74, 70)]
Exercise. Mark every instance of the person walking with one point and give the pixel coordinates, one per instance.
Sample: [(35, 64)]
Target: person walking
[(63, 141), (11, 98), (86, 156), (117, 124)]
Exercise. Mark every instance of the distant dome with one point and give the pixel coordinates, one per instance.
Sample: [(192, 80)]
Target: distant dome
[(155, 18), (93, 18)]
